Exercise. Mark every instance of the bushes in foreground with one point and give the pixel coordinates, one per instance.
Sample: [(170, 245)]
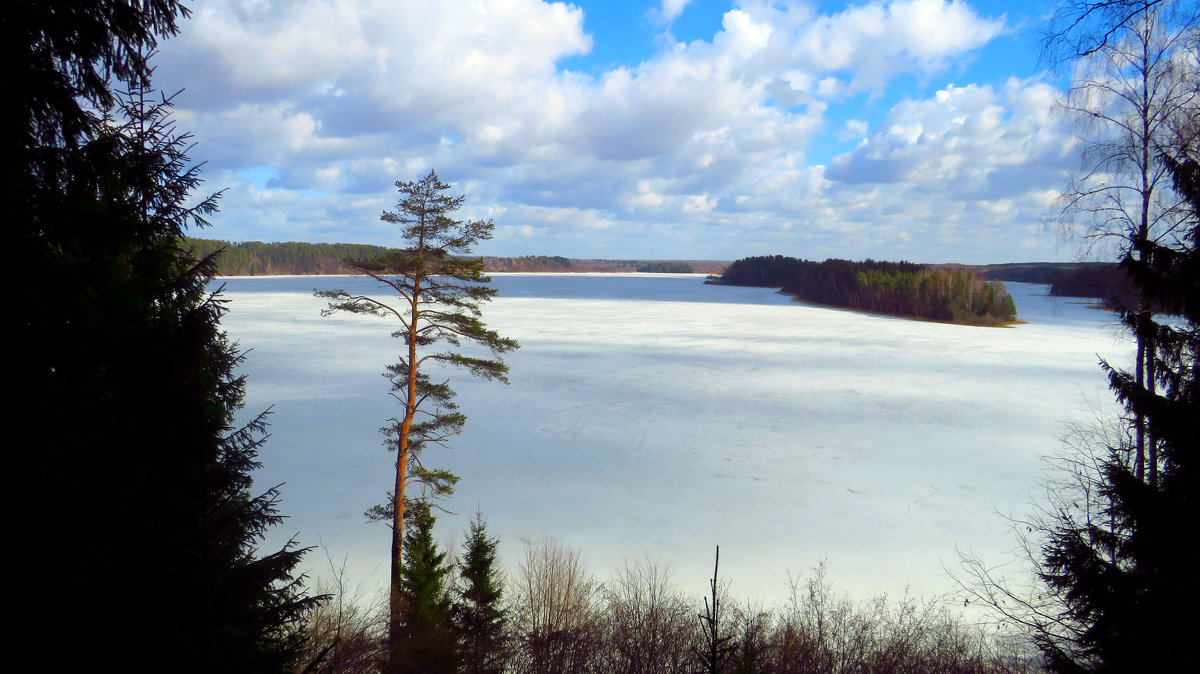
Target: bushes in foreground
[(561, 619)]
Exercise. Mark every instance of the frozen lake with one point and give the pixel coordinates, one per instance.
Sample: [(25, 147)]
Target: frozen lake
[(654, 416)]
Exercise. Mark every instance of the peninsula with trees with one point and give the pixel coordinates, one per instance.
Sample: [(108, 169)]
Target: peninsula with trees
[(894, 288)]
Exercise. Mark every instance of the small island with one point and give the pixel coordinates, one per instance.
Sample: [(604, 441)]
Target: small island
[(894, 288)]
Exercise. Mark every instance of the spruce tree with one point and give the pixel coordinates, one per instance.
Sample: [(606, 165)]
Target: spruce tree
[(426, 639), (1128, 579), (479, 615), (140, 511)]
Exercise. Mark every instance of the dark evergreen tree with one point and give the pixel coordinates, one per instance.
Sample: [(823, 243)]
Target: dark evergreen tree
[(426, 642), (1128, 579), (478, 613), (749, 655), (140, 511)]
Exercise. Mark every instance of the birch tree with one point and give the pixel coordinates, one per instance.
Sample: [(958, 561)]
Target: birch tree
[(1134, 85)]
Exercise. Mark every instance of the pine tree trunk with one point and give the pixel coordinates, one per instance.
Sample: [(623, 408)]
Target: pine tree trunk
[(410, 408)]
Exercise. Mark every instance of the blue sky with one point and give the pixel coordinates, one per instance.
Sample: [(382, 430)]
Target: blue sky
[(912, 129)]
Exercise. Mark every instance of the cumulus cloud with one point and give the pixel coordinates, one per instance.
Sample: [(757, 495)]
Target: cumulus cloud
[(702, 145), (974, 141), (961, 170), (869, 44)]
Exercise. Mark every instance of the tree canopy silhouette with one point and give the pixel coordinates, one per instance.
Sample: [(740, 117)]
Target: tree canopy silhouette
[(138, 487)]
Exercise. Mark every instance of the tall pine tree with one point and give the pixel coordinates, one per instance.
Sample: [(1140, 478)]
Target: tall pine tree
[(439, 288)]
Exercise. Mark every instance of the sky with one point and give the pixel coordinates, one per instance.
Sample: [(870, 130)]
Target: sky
[(923, 130)]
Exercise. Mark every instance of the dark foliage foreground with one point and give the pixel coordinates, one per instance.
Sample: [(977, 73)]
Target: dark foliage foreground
[(140, 519)]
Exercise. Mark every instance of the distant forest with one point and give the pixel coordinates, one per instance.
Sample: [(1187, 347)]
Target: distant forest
[(1106, 282), (1103, 281), (1025, 272), (555, 263), (255, 258), (897, 288), (1100, 280)]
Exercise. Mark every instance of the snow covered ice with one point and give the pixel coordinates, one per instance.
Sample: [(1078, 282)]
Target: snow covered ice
[(654, 416)]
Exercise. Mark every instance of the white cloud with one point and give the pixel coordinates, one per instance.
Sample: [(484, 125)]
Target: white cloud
[(854, 128), (671, 9), (972, 141), (704, 142), (872, 43), (963, 169)]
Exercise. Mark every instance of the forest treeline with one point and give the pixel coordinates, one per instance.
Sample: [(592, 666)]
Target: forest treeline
[(528, 263), (666, 267), (1103, 281), (1106, 282), (898, 288), (256, 258), (556, 263), (1022, 272)]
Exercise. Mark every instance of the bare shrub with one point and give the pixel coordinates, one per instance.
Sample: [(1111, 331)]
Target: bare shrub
[(553, 604), (348, 633), (565, 622), (648, 626), (1012, 591), (827, 632)]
